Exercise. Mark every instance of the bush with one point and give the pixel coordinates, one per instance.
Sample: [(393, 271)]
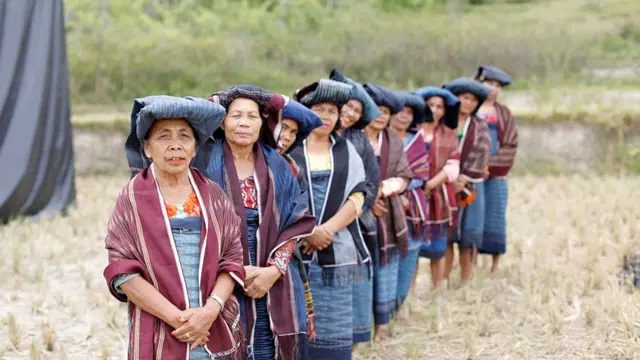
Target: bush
[(119, 49)]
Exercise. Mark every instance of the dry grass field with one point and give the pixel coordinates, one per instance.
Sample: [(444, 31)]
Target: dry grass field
[(557, 296)]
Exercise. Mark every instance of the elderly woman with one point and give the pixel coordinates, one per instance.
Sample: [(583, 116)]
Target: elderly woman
[(336, 251), (395, 174), (406, 124), (444, 168), (504, 144), (174, 240), (474, 143), (355, 115), (274, 216)]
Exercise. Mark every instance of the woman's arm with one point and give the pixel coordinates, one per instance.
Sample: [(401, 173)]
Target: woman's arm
[(348, 212), (140, 292)]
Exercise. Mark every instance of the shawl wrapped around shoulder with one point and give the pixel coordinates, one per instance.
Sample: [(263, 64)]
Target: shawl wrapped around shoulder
[(392, 227), (474, 154), (442, 202), (500, 164), (139, 240), (418, 211), (348, 248)]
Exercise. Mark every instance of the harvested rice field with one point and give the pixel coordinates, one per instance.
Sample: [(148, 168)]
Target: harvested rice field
[(557, 295)]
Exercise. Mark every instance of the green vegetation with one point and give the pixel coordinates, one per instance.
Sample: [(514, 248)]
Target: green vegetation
[(120, 49)]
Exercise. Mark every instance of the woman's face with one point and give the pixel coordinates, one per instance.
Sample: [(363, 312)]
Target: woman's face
[(288, 135), (171, 145), (381, 122), (495, 87), (351, 113), (328, 113), (242, 123), (468, 103), (402, 120), (436, 104)]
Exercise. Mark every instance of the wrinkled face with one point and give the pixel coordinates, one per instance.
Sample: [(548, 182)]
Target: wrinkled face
[(328, 113), (242, 123), (495, 87), (171, 145), (351, 113), (436, 104), (402, 120), (381, 122), (468, 103), (288, 134)]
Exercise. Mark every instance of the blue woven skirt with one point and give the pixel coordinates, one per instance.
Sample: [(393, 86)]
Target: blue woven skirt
[(406, 269), (363, 304), (333, 306), (385, 289), (495, 222), (471, 225)]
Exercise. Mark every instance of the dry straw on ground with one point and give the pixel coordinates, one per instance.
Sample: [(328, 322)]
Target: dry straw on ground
[(556, 297)]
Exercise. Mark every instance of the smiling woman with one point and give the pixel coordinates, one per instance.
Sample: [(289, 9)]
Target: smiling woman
[(174, 240)]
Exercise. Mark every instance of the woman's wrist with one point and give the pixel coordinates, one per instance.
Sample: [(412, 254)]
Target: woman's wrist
[(213, 307)]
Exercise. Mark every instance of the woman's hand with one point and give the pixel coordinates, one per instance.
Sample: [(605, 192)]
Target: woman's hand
[(319, 240), (405, 202), (379, 209), (259, 280), (458, 185), (196, 323)]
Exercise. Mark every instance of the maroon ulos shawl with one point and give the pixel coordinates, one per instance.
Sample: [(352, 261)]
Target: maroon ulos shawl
[(500, 164), (474, 153), (392, 227), (442, 202), (138, 241), (418, 211)]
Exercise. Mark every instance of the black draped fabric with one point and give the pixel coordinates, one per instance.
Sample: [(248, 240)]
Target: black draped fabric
[(36, 154)]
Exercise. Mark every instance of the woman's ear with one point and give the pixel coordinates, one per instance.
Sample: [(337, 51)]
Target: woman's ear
[(147, 152)]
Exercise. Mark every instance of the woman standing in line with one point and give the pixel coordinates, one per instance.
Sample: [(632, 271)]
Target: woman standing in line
[(504, 144), (444, 168), (474, 143), (395, 174), (335, 252)]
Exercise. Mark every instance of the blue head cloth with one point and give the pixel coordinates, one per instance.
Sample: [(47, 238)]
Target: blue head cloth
[(384, 97), (451, 102), (307, 120), (370, 109), (203, 116), (463, 85), (488, 72)]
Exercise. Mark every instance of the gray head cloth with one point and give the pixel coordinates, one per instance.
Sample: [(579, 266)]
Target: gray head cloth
[(325, 90)]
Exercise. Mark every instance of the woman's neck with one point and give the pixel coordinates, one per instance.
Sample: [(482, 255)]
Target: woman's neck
[(241, 153), (489, 103), (372, 133), (401, 133), (319, 139), (166, 179), (428, 128), (462, 118)]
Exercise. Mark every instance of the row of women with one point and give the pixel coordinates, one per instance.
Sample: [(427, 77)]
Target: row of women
[(262, 227)]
